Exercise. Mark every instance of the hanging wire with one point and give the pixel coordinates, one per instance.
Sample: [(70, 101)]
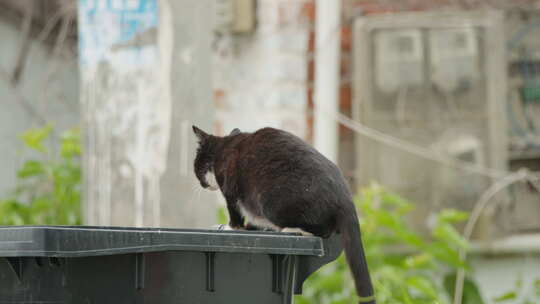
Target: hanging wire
[(479, 207)]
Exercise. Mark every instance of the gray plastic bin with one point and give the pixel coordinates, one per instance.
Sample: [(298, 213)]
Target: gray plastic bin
[(99, 265)]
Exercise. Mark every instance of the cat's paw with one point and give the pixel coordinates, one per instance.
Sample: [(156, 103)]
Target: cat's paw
[(251, 227), (222, 227), (296, 230), (229, 227), (236, 227)]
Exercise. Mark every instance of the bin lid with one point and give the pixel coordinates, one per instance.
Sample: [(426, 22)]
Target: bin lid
[(80, 241)]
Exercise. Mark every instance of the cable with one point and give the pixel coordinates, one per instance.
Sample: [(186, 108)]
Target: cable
[(481, 204), (401, 104), (414, 148)]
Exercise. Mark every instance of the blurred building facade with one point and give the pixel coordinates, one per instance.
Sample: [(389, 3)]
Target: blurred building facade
[(490, 81), (264, 76), (258, 56)]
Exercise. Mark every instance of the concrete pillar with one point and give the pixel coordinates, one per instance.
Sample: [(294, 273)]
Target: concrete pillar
[(326, 104), (145, 78)]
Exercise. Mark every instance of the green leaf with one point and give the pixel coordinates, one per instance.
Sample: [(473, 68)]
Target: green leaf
[(31, 168), (417, 261), (332, 283), (537, 288), (452, 216), (12, 212), (301, 300), (392, 199), (34, 138), (446, 254), (410, 238), (511, 295), (222, 217), (449, 234), (425, 286), (471, 292), (70, 144)]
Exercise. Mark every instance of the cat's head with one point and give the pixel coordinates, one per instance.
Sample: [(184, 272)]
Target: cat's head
[(206, 154)]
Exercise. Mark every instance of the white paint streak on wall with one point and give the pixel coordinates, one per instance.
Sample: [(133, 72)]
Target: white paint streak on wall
[(90, 162), (127, 95), (185, 127), (107, 177), (164, 109), (137, 157), (264, 76)]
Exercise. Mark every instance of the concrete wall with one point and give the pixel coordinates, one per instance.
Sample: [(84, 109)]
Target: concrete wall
[(260, 78), (146, 78), (47, 92)]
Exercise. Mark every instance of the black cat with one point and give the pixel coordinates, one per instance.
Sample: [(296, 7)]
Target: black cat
[(275, 180)]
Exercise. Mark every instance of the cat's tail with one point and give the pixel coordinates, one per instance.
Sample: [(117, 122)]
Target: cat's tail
[(354, 252)]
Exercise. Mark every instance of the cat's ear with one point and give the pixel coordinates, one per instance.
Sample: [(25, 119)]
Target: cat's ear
[(201, 135), (236, 131)]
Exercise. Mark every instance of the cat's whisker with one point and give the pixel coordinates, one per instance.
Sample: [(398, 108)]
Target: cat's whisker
[(196, 190), (199, 194)]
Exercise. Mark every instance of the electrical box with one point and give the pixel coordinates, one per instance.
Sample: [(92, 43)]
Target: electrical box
[(399, 59), (454, 188), (523, 110), (436, 80), (235, 16), (454, 58)]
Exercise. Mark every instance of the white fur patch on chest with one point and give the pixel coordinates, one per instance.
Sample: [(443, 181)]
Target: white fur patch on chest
[(257, 221), (211, 180)]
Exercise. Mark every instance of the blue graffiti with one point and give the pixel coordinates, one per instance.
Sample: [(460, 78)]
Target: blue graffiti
[(129, 17), (120, 6)]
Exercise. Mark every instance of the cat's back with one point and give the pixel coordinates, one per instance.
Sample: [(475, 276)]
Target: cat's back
[(283, 150), (279, 141), (282, 167)]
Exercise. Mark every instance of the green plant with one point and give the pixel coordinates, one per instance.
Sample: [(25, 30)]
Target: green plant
[(49, 186), (405, 267), (517, 294)]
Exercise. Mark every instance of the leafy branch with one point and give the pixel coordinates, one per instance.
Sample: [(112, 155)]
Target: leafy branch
[(48, 191)]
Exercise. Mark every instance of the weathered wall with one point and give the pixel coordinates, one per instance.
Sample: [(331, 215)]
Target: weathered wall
[(261, 77), (495, 274), (145, 79), (47, 92)]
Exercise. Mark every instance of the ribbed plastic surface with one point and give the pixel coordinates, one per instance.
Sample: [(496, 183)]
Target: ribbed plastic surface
[(100, 265), (61, 241)]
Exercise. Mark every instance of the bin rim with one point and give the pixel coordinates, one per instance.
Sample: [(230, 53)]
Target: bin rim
[(81, 241)]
